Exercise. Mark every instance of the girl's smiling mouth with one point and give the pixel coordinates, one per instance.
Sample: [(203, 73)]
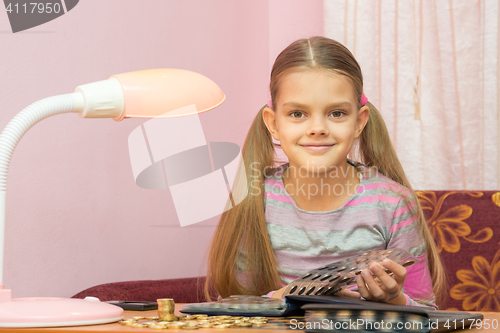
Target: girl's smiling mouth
[(317, 147)]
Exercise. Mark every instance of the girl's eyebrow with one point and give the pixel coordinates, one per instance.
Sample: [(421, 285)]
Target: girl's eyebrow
[(333, 105)]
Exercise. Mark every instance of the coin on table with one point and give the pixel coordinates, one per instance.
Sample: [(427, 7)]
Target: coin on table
[(177, 324), (198, 316), (222, 326), (138, 325), (244, 324), (190, 327), (205, 325), (157, 326)]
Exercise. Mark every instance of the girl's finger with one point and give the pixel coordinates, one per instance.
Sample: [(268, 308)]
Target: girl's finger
[(348, 293), (389, 284), (362, 288), (373, 286), (398, 270)]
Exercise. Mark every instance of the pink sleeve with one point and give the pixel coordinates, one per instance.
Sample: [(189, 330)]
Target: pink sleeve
[(418, 283)]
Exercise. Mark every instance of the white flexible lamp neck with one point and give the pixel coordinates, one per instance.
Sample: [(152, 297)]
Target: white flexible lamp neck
[(15, 130)]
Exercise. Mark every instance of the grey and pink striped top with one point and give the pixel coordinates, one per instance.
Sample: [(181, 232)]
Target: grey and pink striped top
[(376, 217)]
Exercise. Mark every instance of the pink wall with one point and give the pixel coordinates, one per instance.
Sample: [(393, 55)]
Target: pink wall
[(75, 217)]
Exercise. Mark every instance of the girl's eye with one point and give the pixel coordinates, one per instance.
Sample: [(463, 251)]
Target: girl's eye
[(297, 114), (337, 114)]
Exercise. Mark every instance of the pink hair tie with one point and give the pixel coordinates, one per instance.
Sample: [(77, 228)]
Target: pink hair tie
[(270, 104), (364, 99)]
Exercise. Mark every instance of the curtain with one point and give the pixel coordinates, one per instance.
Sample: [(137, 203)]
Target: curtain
[(431, 68)]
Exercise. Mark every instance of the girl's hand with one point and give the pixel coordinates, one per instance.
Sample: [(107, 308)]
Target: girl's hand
[(381, 287)]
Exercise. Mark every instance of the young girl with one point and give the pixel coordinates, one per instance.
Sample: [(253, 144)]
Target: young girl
[(322, 207)]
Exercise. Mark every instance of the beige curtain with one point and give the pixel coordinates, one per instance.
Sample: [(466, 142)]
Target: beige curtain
[(431, 68)]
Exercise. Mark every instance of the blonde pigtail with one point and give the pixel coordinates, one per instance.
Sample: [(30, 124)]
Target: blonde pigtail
[(243, 228)]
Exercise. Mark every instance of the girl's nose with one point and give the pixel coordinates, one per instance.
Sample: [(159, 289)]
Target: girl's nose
[(318, 127)]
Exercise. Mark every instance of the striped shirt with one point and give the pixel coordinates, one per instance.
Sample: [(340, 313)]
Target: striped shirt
[(375, 217)]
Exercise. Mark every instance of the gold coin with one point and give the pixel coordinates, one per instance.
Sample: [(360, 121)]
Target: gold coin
[(138, 325), (168, 317), (201, 316), (176, 324), (227, 321), (224, 317), (127, 322), (259, 318), (137, 318), (244, 324), (222, 326), (157, 326), (208, 325), (152, 318), (190, 327), (258, 322)]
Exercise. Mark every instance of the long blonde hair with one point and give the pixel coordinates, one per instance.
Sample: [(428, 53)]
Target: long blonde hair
[(241, 238)]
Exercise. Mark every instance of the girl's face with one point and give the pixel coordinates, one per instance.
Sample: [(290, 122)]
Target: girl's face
[(316, 119)]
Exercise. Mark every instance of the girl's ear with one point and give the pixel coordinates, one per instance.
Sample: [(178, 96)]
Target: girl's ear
[(269, 117), (361, 121)]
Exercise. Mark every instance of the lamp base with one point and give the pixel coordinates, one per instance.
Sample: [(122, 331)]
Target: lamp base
[(54, 312)]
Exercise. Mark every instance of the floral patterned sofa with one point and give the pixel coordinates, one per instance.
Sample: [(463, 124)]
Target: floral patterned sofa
[(464, 224), (466, 228)]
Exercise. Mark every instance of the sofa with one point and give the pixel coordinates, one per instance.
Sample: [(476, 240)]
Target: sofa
[(465, 226)]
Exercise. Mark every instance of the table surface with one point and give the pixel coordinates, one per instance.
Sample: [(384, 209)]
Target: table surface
[(273, 325)]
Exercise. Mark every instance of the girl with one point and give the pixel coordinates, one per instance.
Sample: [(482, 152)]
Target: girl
[(321, 207)]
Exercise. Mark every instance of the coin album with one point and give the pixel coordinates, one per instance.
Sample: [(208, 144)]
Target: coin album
[(329, 279), (241, 305), (322, 282)]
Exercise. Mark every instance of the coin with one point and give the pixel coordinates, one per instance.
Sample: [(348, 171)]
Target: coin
[(157, 326), (244, 324), (222, 326), (205, 325), (176, 324), (190, 327)]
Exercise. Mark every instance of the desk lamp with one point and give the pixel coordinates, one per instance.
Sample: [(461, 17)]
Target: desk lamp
[(156, 93)]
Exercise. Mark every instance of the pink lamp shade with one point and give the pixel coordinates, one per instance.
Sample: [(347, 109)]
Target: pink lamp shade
[(166, 92)]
